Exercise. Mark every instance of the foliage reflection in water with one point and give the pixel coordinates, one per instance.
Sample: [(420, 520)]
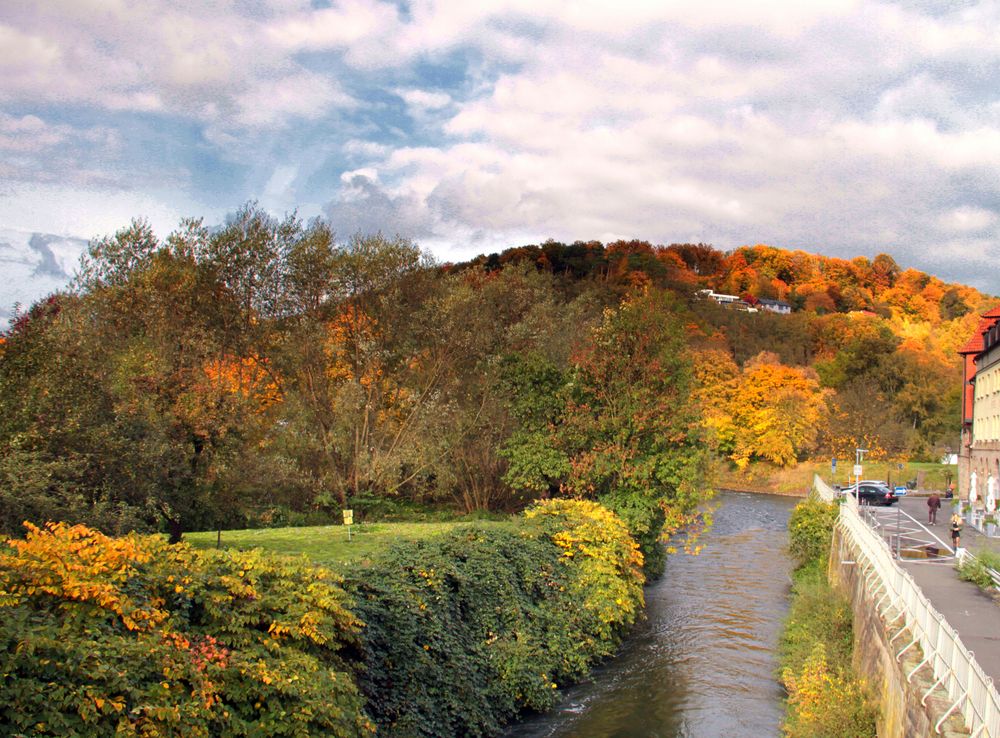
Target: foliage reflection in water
[(702, 664)]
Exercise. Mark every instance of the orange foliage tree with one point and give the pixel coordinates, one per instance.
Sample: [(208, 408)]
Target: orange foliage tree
[(768, 411)]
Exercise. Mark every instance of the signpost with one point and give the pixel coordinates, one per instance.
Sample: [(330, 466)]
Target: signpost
[(859, 456), (348, 521)]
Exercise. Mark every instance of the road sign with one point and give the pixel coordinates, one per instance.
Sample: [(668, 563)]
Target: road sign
[(833, 465), (857, 470)]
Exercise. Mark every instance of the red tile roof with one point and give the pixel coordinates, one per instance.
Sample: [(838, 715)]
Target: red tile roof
[(976, 344), (993, 313)]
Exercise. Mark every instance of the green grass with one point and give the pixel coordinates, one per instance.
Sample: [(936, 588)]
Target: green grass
[(798, 479), (328, 544)]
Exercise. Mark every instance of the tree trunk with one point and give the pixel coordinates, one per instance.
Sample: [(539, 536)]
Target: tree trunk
[(175, 529)]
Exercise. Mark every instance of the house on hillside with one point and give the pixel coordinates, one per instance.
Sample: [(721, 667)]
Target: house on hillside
[(724, 299), (775, 306), (979, 452)]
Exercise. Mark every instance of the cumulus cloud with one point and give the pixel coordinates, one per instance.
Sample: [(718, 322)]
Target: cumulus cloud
[(364, 206)]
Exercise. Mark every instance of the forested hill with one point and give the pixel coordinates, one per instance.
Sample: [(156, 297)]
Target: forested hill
[(807, 281), (875, 340), (265, 373)]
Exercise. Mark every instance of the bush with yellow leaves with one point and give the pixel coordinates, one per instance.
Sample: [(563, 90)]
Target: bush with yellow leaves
[(132, 636)]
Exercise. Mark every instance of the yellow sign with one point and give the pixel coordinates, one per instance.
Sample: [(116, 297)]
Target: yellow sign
[(348, 517)]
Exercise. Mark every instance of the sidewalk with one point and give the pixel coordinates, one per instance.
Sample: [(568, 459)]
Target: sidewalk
[(969, 610)]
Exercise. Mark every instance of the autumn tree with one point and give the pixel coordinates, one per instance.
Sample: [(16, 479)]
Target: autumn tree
[(626, 433), (768, 412)]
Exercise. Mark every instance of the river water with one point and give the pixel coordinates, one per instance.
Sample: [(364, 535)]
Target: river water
[(702, 664)]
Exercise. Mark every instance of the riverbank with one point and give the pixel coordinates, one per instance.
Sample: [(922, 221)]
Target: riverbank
[(825, 695), (456, 633)]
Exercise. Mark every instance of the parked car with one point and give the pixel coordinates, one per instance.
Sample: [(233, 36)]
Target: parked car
[(898, 490), (872, 493)]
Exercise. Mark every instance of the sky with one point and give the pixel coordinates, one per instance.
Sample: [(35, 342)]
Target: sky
[(839, 127)]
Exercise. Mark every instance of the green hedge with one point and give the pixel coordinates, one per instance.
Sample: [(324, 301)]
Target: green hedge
[(465, 630), (450, 636)]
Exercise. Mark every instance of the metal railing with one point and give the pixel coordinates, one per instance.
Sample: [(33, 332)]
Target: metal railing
[(903, 605), (823, 490)]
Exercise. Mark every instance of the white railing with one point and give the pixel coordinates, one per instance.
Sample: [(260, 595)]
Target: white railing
[(823, 490), (902, 604)]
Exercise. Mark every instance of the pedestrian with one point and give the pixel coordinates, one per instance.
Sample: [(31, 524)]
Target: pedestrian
[(956, 530), (933, 505), (951, 491)]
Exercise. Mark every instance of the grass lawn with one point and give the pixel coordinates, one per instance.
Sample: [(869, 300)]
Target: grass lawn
[(327, 544), (798, 479)]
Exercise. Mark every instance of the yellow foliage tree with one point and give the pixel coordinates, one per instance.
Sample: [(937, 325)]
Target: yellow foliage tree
[(766, 411)]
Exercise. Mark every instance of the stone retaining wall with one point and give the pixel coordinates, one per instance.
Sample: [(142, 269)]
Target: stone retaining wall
[(875, 650)]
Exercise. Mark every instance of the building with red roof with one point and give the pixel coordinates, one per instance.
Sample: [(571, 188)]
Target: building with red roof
[(980, 448)]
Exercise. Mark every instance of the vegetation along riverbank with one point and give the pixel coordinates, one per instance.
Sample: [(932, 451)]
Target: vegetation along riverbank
[(826, 697), (451, 635)]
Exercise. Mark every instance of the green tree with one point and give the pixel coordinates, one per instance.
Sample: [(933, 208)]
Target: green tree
[(628, 430)]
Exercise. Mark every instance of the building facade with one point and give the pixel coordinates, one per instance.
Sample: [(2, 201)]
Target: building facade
[(979, 455), (776, 306)]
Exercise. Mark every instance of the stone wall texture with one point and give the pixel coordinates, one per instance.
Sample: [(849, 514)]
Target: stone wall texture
[(875, 657)]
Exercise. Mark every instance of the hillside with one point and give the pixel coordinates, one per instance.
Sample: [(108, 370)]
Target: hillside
[(878, 339), (809, 282), (265, 372)]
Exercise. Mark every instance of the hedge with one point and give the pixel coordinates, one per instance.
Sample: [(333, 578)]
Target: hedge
[(454, 635), (132, 636), (466, 630)]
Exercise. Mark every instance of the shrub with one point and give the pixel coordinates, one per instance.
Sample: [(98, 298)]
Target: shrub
[(467, 629), (826, 701), (810, 529), (130, 636), (817, 615), (976, 569)]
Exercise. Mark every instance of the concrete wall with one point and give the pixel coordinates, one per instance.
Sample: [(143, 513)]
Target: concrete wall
[(902, 715)]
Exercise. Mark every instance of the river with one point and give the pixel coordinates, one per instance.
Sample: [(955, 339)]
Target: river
[(702, 663)]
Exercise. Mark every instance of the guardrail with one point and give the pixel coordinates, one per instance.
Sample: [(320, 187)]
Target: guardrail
[(823, 490), (902, 604)]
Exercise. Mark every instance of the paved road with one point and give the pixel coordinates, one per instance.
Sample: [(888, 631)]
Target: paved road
[(970, 611)]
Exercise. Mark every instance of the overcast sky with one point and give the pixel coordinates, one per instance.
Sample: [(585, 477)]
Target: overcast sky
[(842, 128)]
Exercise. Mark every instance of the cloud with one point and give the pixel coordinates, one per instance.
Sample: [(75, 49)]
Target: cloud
[(273, 103), (216, 63), (334, 27), (363, 206), (842, 126)]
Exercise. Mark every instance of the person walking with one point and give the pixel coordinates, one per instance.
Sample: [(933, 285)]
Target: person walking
[(933, 505), (956, 531)]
